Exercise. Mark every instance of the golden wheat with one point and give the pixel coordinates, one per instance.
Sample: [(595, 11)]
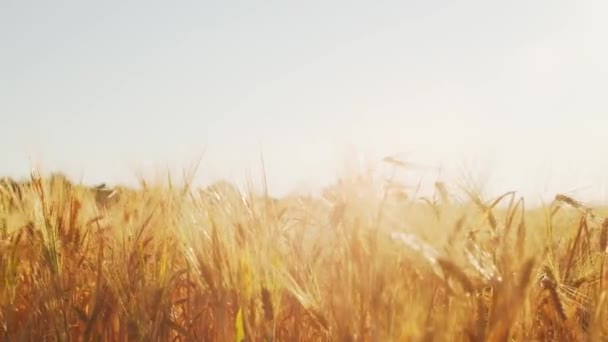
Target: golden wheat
[(168, 263)]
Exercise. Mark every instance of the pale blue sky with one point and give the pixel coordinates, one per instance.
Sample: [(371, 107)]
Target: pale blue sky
[(99, 89)]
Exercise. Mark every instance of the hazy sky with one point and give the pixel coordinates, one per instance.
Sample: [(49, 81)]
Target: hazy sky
[(100, 89)]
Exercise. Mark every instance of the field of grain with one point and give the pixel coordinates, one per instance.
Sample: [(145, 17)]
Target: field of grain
[(363, 262)]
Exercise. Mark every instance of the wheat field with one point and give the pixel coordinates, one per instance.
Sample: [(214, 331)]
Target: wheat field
[(362, 262)]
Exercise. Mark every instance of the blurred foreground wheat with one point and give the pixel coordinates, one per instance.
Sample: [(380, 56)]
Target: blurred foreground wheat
[(166, 263)]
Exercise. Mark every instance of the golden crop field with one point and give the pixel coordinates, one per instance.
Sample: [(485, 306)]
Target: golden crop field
[(361, 263)]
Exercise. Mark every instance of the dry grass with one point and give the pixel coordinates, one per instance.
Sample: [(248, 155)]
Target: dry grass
[(172, 264)]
